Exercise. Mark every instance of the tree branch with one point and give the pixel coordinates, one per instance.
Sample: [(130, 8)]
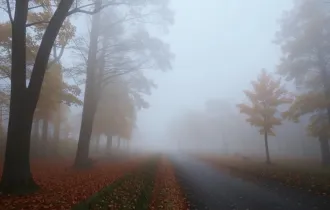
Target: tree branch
[(9, 12), (58, 57), (37, 23), (80, 9)]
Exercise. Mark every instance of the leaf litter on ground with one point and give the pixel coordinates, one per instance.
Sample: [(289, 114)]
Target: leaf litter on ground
[(167, 193), (63, 187)]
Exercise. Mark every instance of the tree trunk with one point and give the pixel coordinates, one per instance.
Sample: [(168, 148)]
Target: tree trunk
[(266, 147), (325, 151), (16, 175), (89, 107), (109, 142)]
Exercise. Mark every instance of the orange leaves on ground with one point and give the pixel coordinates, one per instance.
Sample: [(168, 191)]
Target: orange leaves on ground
[(167, 192), (62, 187)]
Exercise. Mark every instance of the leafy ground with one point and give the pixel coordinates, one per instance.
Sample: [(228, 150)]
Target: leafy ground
[(138, 183), (167, 193), (299, 174), (62, 187), (153, 186)]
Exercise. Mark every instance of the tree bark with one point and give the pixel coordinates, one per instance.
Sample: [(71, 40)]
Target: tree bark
[(266, 148), (90, 102), (325, 151), (16, 175)]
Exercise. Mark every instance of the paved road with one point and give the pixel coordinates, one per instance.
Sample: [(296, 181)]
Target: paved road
[(209, 188)]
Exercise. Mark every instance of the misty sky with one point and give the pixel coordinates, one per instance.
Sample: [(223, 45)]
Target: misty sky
[(220, 46)]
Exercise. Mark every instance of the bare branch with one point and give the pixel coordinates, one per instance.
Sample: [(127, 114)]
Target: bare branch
[(80, 9), (58, 57), (37, 23), (35, 7), (9, 12)]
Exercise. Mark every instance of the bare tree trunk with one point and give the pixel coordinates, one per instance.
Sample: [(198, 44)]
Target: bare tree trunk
[(89, 107), (325, 151), (266, 147)]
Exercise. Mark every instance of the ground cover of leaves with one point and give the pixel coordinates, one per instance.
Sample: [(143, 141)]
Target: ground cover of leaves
[(167, 193), (316, 181), (133, 191), (63, 187)]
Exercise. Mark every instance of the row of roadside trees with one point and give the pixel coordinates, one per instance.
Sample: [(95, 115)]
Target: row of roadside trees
[(107, 65)]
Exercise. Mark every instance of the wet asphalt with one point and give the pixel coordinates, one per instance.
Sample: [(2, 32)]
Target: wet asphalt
[(208, 188)]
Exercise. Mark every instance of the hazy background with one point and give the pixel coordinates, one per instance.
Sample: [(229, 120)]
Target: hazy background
[(220, 46)]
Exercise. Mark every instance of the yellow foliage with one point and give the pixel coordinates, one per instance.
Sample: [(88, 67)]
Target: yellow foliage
[(266, 96), (116, 111), (51, 91)]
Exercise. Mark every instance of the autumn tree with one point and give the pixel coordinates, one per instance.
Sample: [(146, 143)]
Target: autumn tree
[(314, 105), (266, 96), (118, 47), (116, 112), (54, 92), (304, 38), (29, 14)]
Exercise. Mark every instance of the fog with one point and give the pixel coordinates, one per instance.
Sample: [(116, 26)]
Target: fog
[(219, 47)]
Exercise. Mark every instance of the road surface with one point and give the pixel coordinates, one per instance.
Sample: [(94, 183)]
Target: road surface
[(212, 189)]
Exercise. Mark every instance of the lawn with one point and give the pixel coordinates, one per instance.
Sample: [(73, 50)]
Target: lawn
[(138, 183), (301, 174)]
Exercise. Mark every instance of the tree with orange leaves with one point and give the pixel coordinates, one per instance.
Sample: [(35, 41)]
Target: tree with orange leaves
[(267, 95)]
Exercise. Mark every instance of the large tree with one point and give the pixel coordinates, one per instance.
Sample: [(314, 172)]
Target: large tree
[(304, 36), (116, 48), (16, 174)]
